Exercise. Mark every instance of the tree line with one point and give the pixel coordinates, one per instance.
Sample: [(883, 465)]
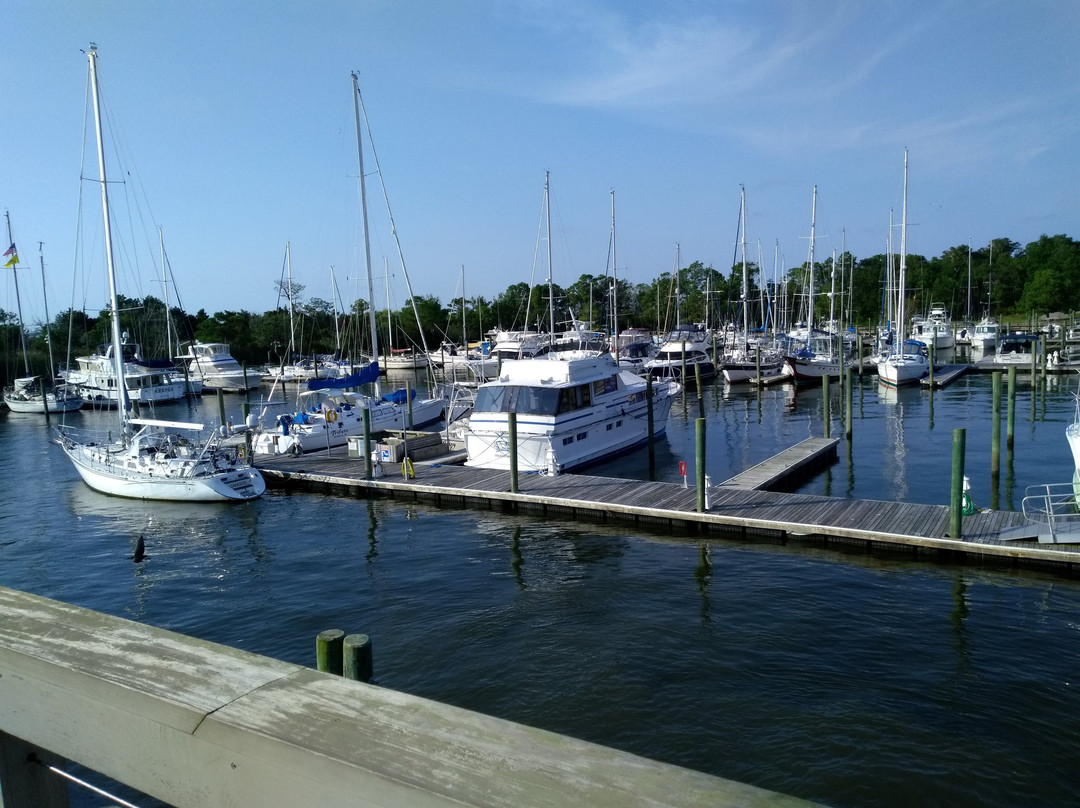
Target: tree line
[(1002, 279)]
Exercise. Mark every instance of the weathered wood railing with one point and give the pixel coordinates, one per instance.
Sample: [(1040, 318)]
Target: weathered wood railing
[(193, 723)]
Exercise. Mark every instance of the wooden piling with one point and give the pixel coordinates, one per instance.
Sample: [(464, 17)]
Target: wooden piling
[(848, 420), (697, 384), (699, 456), (368, 470), (652, 434), (1010, 421), (357, 664), (328, 651), (956, 494), (221, 406), (826, 403), (511, 429)]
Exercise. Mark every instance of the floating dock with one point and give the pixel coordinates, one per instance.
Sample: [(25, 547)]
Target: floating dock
[(944, 375), (734, 507)]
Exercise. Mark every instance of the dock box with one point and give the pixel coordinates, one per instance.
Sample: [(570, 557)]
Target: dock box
[(356, 445), (391, 450)]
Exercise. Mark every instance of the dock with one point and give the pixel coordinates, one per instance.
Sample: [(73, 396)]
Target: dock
[(736, 507), (944, 375), (779, 470)]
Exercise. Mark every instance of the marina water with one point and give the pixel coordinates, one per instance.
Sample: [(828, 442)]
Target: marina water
[(833, 674)]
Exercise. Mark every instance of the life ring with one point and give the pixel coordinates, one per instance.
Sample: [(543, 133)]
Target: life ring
[(241, 453), (331, 416)]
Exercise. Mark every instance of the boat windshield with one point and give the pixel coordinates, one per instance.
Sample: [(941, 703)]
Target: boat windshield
[(540, 400), (519, 399)]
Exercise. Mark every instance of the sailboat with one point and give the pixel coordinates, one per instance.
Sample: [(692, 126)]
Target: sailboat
[(149, 458), (903, 364), (749, 359), (822, 353), (28, 393), (330, 415)]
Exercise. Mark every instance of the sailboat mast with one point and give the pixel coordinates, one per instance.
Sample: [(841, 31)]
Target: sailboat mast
[(292, 325), (551, 285), (903, 264), (337, 322), (614, 286), (48, 322), (364, 220), (123, 404), (18, 301), (810, 306), (745, 287), (389, 325), (165, 288)]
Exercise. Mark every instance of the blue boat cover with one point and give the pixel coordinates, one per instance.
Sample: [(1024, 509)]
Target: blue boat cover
[(366, 375)]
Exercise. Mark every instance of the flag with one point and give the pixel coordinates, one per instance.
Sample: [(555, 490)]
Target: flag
[(10, 250), (13, 260)]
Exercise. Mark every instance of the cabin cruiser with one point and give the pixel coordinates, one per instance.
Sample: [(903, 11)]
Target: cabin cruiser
[(213, 364), (568, 413), (148, 381), (687, 344)]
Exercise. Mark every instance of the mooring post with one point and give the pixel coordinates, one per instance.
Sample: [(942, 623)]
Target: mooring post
[(247, 390), (368, 470), (649, 411), (328, 649), (847, 404), (682, 374), (511, 428), (697, 384), (956, 498), (221, 406), (699, 455), (757, 364), (1010, 421), (933, 357), (357, 658), (827, 405), (408, 398)]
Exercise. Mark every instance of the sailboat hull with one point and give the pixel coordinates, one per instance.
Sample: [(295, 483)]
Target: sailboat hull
[(36, 403), (123, 474)]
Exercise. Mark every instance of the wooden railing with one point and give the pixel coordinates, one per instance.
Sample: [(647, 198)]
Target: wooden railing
[(197, 724)]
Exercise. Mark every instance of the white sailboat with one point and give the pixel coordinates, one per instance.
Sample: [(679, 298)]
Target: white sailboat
[(903, 365), (29, 393), (822, 353), (749, 359), (330, 414), (158, 460)]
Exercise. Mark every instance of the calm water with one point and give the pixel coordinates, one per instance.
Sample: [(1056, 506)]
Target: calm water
[(837, 676)]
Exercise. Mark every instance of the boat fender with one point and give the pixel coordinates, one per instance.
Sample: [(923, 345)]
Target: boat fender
[(331, 416)]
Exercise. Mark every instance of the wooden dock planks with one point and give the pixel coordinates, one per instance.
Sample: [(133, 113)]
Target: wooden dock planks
[(732, 504)]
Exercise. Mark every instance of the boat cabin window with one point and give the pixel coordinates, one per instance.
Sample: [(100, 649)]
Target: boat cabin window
[(608, 385), (515, 398)]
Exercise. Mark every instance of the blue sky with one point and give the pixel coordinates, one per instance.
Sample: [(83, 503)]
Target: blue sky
[(235, 123)]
